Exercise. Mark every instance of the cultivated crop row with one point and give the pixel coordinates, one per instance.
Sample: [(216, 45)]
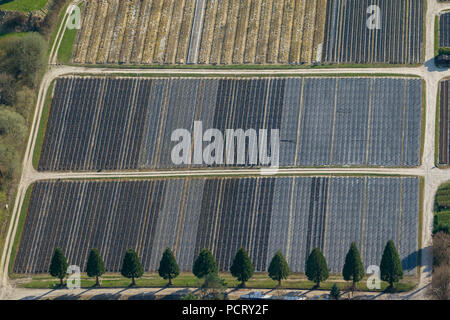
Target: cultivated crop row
[(201, 31), (444, 27), (263, 215), (127, 123), (444, 134), (394, 34)]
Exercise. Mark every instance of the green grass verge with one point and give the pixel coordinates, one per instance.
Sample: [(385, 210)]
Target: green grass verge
[(55, 31), (420, 227), (442, 209), (12, 35), (248, 66), (436, 36), (22, 5), (23, 214), (218, 75), (42, 126), (64, 55), (424, 120), (186, 280), (65, 49)]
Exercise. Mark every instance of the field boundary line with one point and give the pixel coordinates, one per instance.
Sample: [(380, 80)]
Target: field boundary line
[(336, 89)]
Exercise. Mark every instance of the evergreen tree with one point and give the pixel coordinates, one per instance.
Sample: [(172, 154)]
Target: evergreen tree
[(168, 267), (391, 267), (95, 266), (204, 264), (278, 268), (131, 267), (242, 267), (335, 292), (353, 267), (58, 265), (316, 267)]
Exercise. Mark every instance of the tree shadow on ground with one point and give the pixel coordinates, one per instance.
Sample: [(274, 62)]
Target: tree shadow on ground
[(432, 67), (106, 296), (143, 296), (413, 257)]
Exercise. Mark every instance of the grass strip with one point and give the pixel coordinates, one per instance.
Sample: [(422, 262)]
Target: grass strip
[(43, 126), (187, 280), (18, 237)]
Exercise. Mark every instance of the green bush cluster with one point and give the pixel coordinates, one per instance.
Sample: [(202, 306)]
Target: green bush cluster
[(22, 61), (442, 209)]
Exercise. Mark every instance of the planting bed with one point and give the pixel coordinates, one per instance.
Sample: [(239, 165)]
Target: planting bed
[(290, 214), (127, 123)]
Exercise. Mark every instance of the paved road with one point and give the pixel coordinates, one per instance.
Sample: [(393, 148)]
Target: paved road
[(161, 293), (433, 176)]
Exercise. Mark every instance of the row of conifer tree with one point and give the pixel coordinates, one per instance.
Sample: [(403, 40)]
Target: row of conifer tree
[(242, 268)]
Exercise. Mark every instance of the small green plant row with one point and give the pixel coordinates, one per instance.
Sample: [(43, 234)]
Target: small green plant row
[(242, 268)]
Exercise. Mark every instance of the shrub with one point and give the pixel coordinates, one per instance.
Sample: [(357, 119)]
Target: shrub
[(441, 222), (441, 249), (335, 292), (51, 19), (12, 124), (189, 297), (440, 283), (8, 89), (25, 57), (214, 287), (9, 162)]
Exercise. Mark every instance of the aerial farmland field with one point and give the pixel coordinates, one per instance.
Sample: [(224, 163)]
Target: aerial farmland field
[(201, 31), (399, 39), (322, 121), (178, 146), (237, 32), (291, 214), (444, 26), (444, 130)]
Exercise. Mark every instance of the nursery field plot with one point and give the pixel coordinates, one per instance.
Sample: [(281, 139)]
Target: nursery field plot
[(223, 32), (263, 215), (398, 40), (444, 131), (444, 30), (127, 123)]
